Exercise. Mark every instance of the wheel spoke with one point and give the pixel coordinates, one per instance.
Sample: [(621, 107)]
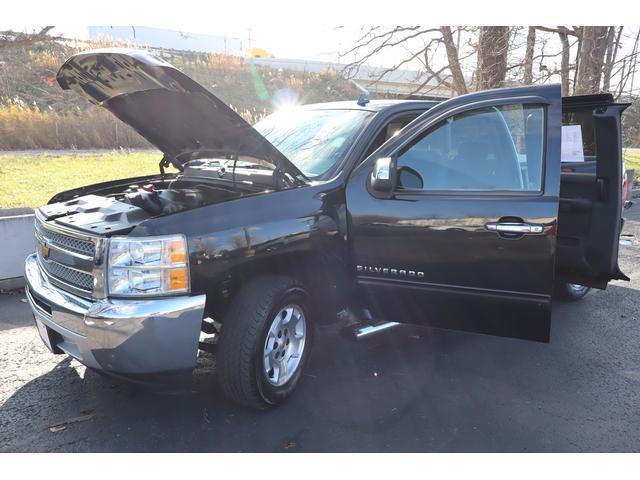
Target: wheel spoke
[(295, 344), (283, 368), (287, 317), (295, 319), (297, 325), (284, 344), (267, 355)]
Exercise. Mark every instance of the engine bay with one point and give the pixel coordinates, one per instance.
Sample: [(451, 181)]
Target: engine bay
[(174, 198), (117, 207), (202, 182)]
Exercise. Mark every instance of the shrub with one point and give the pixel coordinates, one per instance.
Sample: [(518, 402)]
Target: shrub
[(31, 128), (36, 113)]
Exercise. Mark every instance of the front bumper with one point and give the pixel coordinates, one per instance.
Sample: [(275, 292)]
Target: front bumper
[(128, 338)]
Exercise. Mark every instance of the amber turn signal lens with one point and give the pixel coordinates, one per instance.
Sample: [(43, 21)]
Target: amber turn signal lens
[(178, 279), (177, 252)]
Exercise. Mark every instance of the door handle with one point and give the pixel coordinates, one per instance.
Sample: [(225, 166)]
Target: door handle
[(512, 227)]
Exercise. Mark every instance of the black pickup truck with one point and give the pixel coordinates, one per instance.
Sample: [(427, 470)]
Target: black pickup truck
[(453, 215)]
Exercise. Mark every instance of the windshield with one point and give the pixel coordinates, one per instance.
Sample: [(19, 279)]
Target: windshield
[(313, 140)]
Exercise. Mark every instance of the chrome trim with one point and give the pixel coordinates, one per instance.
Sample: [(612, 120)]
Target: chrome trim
[(100, 268), (37, 280), (362, 331), (55, 246), (34, 304), (62, 284), (63, 230), (514, 227), (382, 168), (72, 343), (46, 260), (120, 336), (98, 271)]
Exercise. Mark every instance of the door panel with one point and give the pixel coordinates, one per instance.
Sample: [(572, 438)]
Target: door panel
[(589, 222), (432, 255)]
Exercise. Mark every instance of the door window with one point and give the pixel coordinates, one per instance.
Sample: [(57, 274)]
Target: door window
[(488, 149), (390, 130)]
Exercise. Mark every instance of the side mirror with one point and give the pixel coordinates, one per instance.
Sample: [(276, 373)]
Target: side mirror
[(383, 175)]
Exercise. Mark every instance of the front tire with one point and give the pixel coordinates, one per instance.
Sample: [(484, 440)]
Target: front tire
[(264, 342), (571, 292)]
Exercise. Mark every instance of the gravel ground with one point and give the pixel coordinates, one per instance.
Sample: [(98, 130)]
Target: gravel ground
[(408, 390)]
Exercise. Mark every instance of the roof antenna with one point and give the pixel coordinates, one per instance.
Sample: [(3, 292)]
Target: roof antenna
[(363, 99)]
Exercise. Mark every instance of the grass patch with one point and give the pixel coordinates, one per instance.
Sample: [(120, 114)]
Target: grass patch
[(632, 160), (30, 180)]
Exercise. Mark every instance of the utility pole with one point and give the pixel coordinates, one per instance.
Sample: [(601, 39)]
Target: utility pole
[(249, 39)]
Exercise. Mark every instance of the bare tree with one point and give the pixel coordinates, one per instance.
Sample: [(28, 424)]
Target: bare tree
[(564, 65), (627, 70), (10, 38), (376, 40), (493, 44), (585, 59), (593, 47), (613, 44), (565, 54), (527, 78), (459, 84)]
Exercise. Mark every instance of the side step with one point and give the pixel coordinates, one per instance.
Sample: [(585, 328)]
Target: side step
[(362, 325), (363, 330)]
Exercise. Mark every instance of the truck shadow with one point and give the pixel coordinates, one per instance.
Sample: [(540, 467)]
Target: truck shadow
[(410, 389)]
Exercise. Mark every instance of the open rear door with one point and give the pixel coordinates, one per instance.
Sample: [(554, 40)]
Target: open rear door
[(590, 207)]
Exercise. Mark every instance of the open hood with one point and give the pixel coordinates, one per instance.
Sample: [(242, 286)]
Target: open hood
[(169, 109)]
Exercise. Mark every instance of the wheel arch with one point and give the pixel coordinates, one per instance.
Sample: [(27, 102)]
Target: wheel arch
[(317, 279)]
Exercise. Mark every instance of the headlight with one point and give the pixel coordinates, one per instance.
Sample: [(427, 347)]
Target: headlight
[(148, 266)]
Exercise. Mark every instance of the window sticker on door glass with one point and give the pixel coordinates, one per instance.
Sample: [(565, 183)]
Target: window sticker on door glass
[(571, 150)]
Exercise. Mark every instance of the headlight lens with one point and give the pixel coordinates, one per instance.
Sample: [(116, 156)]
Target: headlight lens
[(148, 266)]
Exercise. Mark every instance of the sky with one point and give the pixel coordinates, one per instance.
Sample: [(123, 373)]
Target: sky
[(310, 42), (299, 40)]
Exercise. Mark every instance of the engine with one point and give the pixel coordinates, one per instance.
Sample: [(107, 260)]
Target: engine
[(163, 202)]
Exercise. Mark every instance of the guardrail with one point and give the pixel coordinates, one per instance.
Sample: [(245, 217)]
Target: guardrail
[(16, 242)]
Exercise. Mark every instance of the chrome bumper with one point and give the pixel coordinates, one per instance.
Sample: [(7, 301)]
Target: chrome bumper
[(122, 337)]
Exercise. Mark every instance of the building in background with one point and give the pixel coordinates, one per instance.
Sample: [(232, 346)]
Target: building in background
[(168, 39), (379, 83)]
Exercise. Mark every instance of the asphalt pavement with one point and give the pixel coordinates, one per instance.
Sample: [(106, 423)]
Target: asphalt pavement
[(410, 389)]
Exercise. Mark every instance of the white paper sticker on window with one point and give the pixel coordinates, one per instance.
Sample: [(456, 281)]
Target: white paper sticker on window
[(571, 150)]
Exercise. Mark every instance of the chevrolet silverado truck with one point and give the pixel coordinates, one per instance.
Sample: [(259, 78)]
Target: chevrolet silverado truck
[(451, 214)]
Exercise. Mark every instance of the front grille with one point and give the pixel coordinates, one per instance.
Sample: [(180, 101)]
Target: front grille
[(66, 242), (65, 268), (75, 278)]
